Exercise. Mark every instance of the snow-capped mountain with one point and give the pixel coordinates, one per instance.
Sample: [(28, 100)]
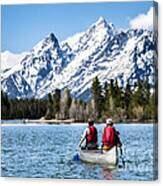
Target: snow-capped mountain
[(36, 69), (100, 51)]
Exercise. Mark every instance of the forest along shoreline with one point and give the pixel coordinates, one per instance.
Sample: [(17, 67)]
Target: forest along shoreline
[(132, 104)]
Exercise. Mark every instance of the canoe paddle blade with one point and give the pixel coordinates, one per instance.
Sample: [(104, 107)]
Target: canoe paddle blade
[(76, 157)]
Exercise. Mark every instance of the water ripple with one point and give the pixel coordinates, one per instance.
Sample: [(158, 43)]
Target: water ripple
[(47, 151)]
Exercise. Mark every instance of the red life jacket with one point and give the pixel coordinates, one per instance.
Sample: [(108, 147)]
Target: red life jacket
[(108, 136), (92, 136)]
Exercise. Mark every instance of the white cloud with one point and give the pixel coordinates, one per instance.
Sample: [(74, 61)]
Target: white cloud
[(9, 59), (144, 21)]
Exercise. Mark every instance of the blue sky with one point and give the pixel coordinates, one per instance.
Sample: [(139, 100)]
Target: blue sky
[(24, 25)]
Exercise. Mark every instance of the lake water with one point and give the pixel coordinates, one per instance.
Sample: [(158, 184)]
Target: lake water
[(32, 150)]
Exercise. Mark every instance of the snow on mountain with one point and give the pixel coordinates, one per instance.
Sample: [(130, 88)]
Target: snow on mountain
[(100, 51), (36, 69), (9, 59)]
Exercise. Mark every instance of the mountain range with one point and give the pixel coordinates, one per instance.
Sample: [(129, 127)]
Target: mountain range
[(101, 50)]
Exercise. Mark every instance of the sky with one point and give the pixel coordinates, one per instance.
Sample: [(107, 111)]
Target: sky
[(24, 25)]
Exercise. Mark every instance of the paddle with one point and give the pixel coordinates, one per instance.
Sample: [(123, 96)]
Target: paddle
[(76, 157), (122, 157)]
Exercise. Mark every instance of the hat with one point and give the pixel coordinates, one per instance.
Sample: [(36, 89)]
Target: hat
[(90, 121), (109, 121)]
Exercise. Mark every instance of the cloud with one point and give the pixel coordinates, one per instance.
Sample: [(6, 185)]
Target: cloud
[(9, 59), (144, 21)]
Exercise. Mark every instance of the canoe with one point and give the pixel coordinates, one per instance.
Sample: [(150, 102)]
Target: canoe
[(95, 156)]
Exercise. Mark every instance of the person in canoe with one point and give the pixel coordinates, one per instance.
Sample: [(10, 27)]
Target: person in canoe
[(90, 136), (110, 136)]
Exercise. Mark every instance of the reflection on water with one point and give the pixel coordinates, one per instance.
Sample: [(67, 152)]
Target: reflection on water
[(47, 151)]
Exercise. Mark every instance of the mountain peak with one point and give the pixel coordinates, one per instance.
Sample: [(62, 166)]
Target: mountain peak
[(52, 38), (50, 41), (101, 21), (100, 51)]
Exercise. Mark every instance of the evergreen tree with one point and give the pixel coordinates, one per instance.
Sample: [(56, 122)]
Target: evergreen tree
[(106, 108), (138, 93), (117, 95), (112, 89), (97, 97), (146, 98), (110, 100), (50, 109), (5, 106), (128, 101), (141, 99)]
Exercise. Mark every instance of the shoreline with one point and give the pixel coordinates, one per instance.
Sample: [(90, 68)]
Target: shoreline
[(50, 121), (69, 121)]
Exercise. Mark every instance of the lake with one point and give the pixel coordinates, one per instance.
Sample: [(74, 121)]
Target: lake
[(42, 150)]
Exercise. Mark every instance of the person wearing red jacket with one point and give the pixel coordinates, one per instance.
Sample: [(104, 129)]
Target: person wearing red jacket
[(90, 136), (110, 136)]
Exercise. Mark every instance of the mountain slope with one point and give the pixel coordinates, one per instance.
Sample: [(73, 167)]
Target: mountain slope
[(99, 51), (39, 67)]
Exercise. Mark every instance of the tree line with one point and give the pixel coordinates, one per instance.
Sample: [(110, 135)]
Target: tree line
[(132, 103), (22, 108)]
